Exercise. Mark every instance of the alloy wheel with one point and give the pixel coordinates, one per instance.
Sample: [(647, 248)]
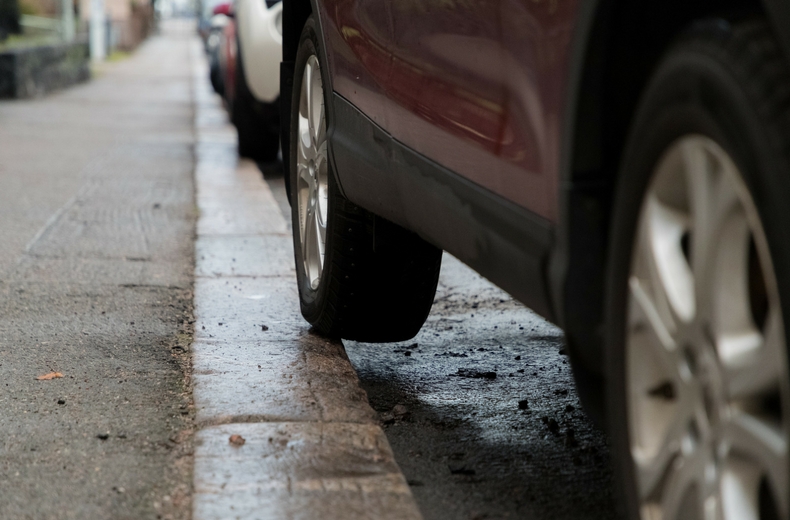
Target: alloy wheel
[(706, 357), (312, 172)]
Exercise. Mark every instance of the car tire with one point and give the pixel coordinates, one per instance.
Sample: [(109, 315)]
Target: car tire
[(215, 74), (371, 280), (257, 123), (707, 158)]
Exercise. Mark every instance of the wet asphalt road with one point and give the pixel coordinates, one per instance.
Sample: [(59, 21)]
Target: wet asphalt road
[(97, 223), (449, 401)]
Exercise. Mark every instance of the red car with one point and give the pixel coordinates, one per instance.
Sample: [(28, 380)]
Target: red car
[(622, 168)]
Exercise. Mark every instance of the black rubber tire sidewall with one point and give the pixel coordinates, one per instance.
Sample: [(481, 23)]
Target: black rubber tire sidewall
[(696, 90)]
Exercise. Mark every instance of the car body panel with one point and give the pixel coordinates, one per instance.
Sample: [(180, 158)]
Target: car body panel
[(483, 99), (359, 50), (502, 241), (260, 36)]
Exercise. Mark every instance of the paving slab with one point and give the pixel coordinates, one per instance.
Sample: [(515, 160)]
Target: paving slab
[(302, 379), (304, 470), (245, 256), (313, 445)]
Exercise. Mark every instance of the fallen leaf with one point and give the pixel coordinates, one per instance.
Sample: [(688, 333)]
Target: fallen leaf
[(237, 440), (51, 375)]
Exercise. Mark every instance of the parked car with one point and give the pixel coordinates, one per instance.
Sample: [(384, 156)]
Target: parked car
[(214, 46), (205, 11), (254, 100), (251, 98), (622, 168)]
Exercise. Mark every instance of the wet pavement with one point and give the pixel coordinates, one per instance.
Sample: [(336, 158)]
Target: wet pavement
[(284, 429)]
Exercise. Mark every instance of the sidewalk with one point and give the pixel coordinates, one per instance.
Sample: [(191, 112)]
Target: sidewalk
[(96, 221)]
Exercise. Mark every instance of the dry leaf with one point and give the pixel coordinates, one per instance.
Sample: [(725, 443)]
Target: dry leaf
[(51, 375), (237, 440)]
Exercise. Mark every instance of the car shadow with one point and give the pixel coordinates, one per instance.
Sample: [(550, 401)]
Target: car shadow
[(481, 411)]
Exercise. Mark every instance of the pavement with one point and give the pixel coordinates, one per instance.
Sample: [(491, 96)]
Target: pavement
[(153, 269), (97, 220)]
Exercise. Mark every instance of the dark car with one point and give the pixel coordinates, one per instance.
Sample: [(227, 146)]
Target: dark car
[(622, 168)]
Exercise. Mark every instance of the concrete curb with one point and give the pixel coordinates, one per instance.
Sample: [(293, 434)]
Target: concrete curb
[(313, 447)]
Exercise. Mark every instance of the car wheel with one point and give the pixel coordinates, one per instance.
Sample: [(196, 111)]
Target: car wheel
[(215, 72), (257, 123), (698, 384), (360, 277)]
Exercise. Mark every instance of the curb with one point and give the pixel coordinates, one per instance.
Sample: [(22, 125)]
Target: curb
[(312, 446)]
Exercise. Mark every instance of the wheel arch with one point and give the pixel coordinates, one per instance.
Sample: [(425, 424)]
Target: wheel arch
[(617, 45)]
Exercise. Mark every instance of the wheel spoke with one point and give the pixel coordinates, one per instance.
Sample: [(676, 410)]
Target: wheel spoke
[(320, 137), (697, 166), (304, 148), (762, 447), (321, 151), (655, 351), (738, 490), (316, 100), (713, 509), (661, 265), (644, 313), (652, 471), (319, 235), (313, 251), (712, 200), (321, 166), (306, 179), (308, 100), (306, 237), (755, 365), (686, 475)]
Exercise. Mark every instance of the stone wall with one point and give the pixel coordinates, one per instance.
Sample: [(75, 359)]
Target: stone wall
[(34, 71)]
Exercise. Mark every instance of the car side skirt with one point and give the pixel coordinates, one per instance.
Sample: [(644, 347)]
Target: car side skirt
[(505, 243)]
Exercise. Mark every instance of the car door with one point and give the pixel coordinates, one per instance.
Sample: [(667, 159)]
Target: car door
[(475, 85), (536, 40), (360, 44), (447, 84)]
